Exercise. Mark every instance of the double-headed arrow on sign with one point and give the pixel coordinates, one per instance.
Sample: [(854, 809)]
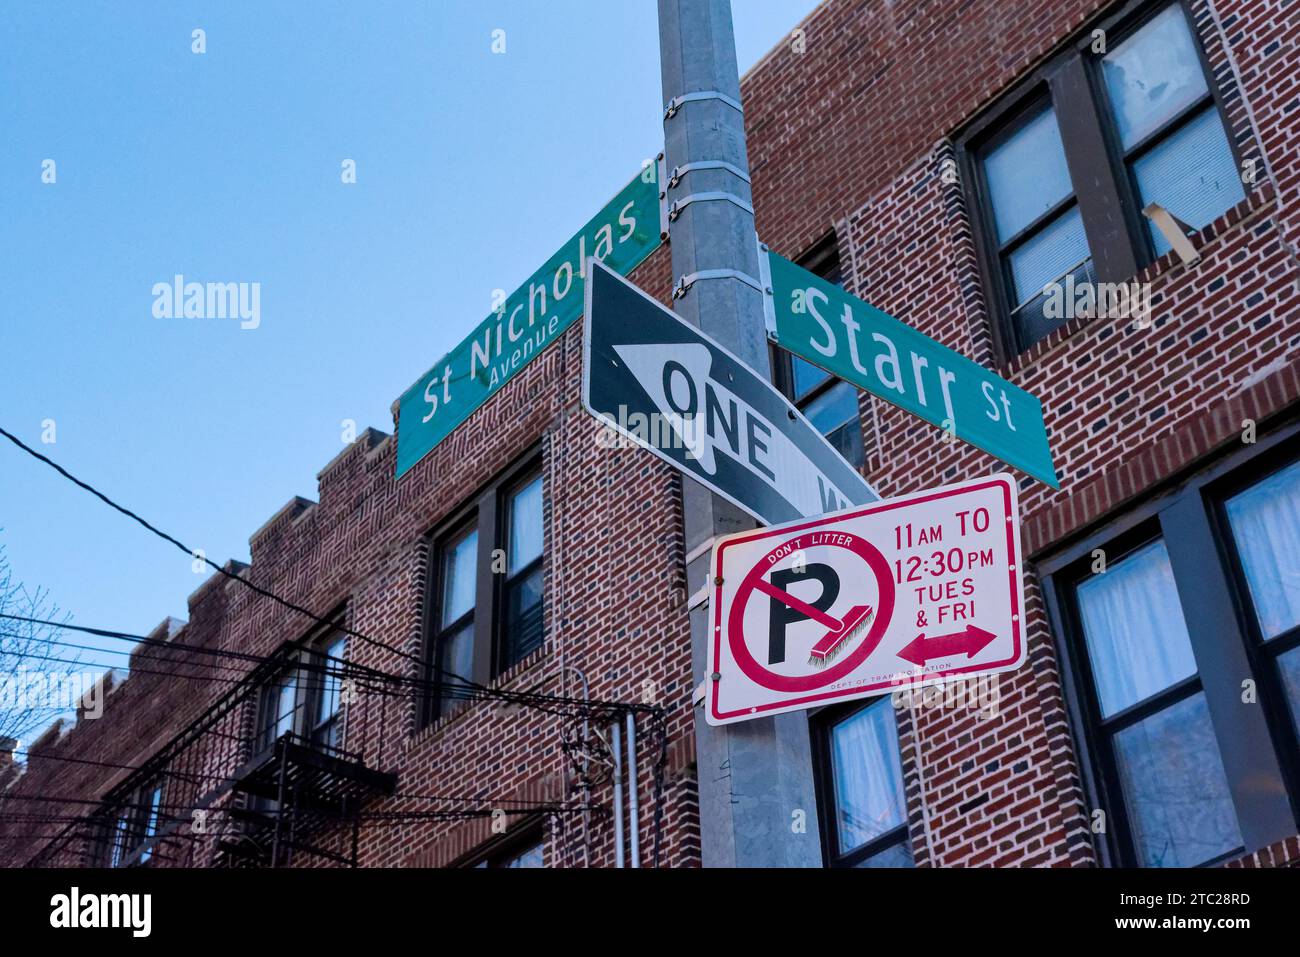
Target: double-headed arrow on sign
[(969, 642)]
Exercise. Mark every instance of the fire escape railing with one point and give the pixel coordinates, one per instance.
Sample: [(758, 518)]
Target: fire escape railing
[(220, 794)]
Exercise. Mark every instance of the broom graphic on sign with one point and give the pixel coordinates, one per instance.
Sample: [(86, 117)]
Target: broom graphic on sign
[(841, 633)]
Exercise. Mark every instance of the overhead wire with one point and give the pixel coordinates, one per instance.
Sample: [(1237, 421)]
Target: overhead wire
[(464, 688)]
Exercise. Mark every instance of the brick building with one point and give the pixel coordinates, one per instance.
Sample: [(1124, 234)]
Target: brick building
[(945, 161)]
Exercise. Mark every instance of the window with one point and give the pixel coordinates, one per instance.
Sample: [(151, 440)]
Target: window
[(1061, 169), (486, 605), (1264, 520), (276, 710), (1179, 627), (136, 823), (830, 404), (454, 636), (277, 714), (1153, 712), (523, 585), (863, 808), (527, 854), (307, 699), (327, 693), (1036, 220), (152, 810), (1167, 126)]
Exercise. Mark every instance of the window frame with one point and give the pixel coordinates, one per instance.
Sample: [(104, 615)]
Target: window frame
[(1263, 653), (821, 723), (1103, 730), (465, 524), (1125, 24), (127, 842), (308, 685), (316, 691), (485, 511), (505, 656), (1001, 250), (264, 740), (1070, 81), (522, 837), (1256, 743), (822, 259)]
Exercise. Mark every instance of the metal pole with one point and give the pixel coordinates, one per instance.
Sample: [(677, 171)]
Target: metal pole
[(634, 807), (757, 803), (279, 801), (617, 748)]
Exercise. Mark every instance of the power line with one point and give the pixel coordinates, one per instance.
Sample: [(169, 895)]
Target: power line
[(458, 687), (387, 686), (534, 699), (199, 555), (132, 655), (137, 639), (31, 655)]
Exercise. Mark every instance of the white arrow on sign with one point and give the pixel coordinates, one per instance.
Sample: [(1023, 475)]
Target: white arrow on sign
[(678, 393), (727, 423)]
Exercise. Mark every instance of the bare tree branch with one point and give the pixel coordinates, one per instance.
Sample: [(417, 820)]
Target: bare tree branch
[(38, 679)]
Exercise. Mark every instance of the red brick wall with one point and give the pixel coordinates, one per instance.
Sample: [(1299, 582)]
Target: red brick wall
[(848, 135)]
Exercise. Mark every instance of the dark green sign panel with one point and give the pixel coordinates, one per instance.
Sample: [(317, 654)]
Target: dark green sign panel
[(820, 322), (621, 235)]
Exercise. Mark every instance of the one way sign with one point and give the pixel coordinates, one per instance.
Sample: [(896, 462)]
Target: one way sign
[(665, 385)]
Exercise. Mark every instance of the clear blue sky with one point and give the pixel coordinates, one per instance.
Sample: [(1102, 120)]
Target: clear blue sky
[(472, 168)]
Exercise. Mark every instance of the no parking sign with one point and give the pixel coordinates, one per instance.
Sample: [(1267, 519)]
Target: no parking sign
[(903, 592)]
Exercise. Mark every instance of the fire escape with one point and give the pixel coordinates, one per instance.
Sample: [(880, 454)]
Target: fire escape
[(275, 771), (297, 789)]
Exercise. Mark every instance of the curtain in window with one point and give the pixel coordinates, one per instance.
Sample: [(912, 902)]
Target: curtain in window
[(1265, 522), (1134, 629), (1180, 809), (526, 526), (459, 578), (868, 786)]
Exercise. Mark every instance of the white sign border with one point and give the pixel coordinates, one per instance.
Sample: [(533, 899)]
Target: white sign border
[(805, 702)]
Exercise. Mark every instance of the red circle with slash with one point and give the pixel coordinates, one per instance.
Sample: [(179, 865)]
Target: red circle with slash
[(753, 582)]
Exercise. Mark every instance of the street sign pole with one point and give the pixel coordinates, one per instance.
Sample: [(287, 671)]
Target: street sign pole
[(757, 803)]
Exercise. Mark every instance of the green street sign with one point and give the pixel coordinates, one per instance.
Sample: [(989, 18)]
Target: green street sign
[(534, 316), (820, 322)]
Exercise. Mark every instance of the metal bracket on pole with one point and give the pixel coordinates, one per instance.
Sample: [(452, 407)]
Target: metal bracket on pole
[(769, 298), (680, 171), (686, 282), (712, 196), (676, 102), (661, 168)]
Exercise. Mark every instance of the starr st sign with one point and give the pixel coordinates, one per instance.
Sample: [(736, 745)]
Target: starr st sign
[(896, 594)]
